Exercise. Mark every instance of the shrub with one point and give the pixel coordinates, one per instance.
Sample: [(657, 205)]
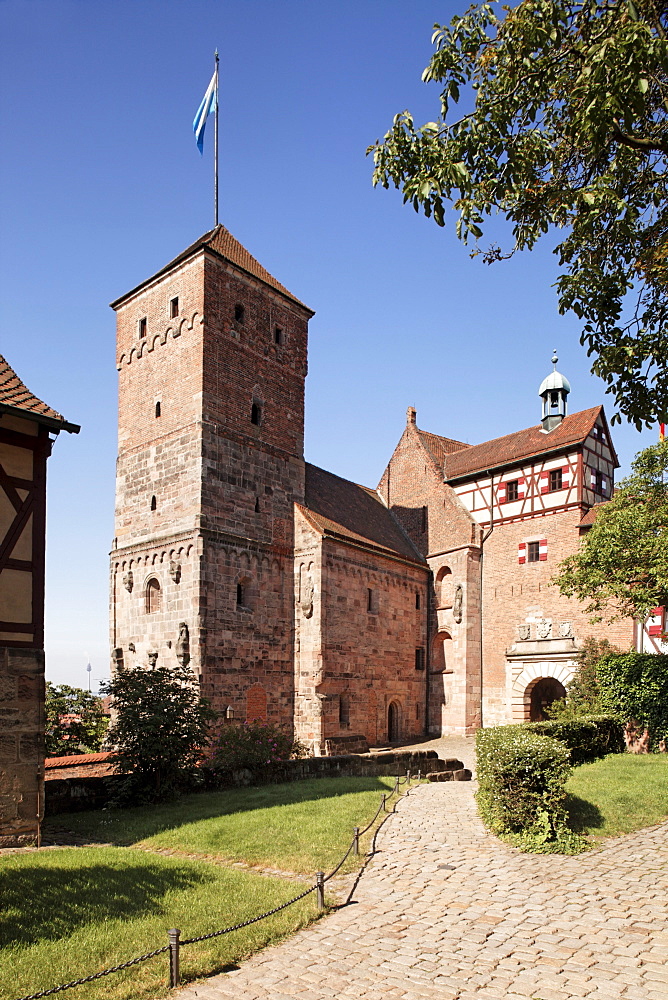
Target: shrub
[(158, 732), (254, 746), (635, 685), (522, 779), (587, 738)]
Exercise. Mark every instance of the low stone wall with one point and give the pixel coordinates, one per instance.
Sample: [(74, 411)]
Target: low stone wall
[(85, 783)]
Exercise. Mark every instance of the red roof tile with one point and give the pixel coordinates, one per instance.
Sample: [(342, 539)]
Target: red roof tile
[(522, 445), (221, 242), (77, 758), (591, 515), (439, 446), (354, 513), (15, 396)]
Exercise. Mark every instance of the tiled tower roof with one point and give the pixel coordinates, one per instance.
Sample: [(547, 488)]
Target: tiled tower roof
[(16, 397), (221, 241)]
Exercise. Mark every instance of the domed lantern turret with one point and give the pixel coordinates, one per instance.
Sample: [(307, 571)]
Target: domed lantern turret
[(554, 391)]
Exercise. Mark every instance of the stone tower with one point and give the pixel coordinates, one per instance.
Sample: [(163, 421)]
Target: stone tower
[(211, 353)]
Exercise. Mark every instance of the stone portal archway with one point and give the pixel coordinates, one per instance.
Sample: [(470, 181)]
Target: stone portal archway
[(541, 693)]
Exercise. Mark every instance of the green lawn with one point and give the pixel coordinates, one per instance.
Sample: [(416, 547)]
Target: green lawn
[(619, 794), (67, 913), (302, 826)]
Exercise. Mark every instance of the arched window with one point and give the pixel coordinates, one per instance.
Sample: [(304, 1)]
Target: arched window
[(153, 596), (154, 503)]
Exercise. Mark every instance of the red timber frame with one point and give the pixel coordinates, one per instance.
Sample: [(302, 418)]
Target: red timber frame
[(32, 503)]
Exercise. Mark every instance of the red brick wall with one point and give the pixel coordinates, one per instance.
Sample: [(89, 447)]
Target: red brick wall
[(515, 594)]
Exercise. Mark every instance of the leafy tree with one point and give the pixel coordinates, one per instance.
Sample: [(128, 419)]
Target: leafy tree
[(621, 567), (583, 695), (159, 730), (75, 721), (565, 124)]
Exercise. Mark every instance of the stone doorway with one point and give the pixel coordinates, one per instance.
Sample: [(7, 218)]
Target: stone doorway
[(543, 692), (393, 722)]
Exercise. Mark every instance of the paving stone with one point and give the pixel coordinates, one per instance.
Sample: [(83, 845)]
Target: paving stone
[(499, 924)]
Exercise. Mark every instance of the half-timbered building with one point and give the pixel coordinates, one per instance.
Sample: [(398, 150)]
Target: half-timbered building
[(28, 428)]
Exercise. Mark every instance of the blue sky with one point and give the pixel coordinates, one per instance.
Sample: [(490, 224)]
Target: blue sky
[(101, 184)]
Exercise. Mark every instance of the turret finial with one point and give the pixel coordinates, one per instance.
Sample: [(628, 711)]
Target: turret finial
[(554, 359)]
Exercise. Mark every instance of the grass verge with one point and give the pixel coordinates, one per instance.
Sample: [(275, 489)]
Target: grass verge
[(302, 826), (618, 794), (71, 912)]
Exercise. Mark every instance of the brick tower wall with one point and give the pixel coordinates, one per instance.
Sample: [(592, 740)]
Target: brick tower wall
[(253, 473), (160, 456)]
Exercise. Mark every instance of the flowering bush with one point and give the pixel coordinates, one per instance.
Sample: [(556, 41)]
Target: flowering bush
[(253, 746)]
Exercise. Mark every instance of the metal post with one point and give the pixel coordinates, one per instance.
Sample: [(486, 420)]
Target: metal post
[(419, 777), (408, 776), (174, 969), (356, 840), (383, 803), (320, 891), (215, 151)]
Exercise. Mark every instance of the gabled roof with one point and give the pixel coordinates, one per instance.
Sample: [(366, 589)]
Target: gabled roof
[(221, 242), (15, 397), (353, 513), (438, 447), (511, 449)]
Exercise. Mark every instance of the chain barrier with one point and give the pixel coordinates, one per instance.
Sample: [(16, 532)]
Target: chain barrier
[(96, 975), (176, 944)]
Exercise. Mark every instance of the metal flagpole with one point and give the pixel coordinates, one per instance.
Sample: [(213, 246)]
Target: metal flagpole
[(215, 153)]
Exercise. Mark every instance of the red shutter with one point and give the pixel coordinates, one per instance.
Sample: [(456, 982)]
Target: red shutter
[(501, 493), (522, 552), (521, 488), (565, 477), (592, 479), (544, 482), (542, 549), (656, 630)]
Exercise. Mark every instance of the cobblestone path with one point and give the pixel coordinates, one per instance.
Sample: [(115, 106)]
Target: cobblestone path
[(446, 912)]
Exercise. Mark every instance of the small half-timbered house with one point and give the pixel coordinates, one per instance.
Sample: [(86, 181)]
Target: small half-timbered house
[(28, 428)]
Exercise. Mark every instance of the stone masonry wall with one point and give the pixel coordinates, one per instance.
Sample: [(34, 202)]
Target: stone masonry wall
[(21, 744), (448, 537), (369, 656)]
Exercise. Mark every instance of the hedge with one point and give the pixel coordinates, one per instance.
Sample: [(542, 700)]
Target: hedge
[(636, 686), (521, 782), (587, 738)]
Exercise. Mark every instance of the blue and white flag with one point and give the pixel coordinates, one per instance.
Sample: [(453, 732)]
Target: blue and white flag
[(209, 103)]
